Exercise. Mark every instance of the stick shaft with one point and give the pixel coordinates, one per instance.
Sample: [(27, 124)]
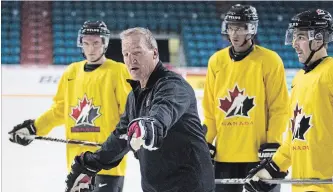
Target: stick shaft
[(277, 181), (68, 141)]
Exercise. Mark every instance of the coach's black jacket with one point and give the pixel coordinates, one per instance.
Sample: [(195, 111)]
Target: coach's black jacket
[(183, 163)]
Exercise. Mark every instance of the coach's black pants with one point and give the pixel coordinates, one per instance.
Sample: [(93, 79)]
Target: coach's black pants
[(234, 170), (107, 183)]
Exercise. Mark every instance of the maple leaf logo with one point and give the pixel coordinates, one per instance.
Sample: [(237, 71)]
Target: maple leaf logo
[(300, 124), (85, 113), (237, 104)]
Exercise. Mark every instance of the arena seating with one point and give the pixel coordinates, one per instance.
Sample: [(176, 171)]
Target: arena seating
[(274, 17), (197, 23), (10, 32)]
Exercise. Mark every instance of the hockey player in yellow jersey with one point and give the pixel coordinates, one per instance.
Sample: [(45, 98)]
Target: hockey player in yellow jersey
[(308, 148), (90, 99), (245, 99)]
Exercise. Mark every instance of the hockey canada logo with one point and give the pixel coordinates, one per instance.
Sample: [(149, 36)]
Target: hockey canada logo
[(84, 115), (300, 124), (237, 104)]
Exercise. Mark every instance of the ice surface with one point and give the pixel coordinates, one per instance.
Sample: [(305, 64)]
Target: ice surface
[(41, 166)]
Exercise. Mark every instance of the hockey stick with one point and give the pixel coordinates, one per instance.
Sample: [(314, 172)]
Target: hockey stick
[(68, 141), (276, 181)]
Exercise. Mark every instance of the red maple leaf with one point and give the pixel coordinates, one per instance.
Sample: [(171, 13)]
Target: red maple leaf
[(225, 104), (76, 111), (297, 111)]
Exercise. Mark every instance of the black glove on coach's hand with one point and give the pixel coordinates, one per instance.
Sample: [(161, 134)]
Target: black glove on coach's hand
[(81, 176), (144, 132)]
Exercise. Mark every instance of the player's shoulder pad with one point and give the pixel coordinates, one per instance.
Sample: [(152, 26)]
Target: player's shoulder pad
[(268, 56), (219, 57), (114, 65), (329, 62), (268, 53), (73, 67), (328, 69), (220, 53)]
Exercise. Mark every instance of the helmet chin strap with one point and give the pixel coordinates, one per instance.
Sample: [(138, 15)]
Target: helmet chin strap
[(246, 40), (312, 52), (98, 57)]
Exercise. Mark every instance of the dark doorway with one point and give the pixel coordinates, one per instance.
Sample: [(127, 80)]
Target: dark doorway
[(114, 50)]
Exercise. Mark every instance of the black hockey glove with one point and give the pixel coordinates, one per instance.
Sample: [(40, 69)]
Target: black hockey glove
[(144, 132), (267, 169), (267, 150), (212, 150), (81, 177), (25, 128)]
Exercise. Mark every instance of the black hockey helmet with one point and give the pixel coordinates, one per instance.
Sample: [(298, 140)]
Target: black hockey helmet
[(241, 14), (317, 22), (94, 28)]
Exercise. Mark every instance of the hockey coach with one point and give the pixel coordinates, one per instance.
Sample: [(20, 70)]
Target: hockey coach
[(160, 124)]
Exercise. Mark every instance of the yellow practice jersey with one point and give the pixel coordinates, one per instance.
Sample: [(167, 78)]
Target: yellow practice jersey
[(245, 103), (90, 105), (308, 148)]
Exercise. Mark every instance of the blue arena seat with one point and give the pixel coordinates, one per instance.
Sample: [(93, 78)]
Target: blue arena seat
[(10, 32), (198, 24)]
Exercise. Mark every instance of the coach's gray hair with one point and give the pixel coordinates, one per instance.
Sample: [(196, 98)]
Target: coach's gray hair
[(150, 39)]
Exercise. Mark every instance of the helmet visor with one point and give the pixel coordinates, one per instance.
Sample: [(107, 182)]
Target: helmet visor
[(239, 28), (105, 39), (297, 33)]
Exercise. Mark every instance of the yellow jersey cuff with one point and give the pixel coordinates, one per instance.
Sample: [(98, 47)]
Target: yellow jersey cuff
[(282, 162)]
